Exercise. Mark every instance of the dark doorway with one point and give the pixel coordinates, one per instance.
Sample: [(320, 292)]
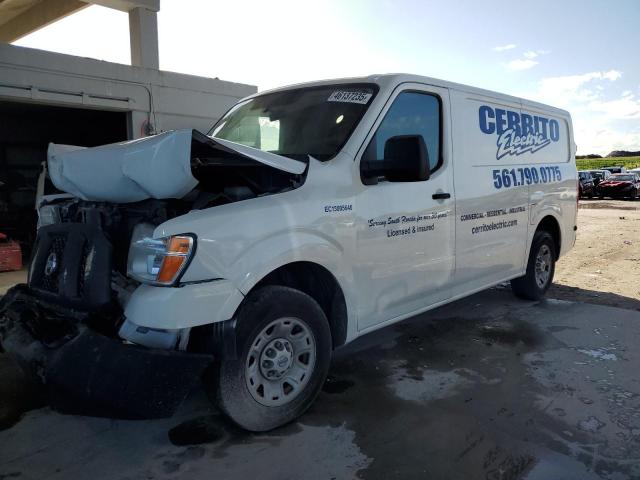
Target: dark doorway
[(25, 132)]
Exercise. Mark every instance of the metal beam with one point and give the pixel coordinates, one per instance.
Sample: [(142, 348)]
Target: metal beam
[(37, 16), (128, 5)]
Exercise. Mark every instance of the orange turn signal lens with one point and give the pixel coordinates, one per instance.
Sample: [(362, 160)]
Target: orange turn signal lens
[(178, 250)]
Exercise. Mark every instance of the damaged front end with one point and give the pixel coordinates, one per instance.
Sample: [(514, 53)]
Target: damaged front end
[(68, 322), (83, 365)]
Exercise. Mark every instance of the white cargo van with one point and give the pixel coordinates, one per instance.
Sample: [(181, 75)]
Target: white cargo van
[(308, 216)]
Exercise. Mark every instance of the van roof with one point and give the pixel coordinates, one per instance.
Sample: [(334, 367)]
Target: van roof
[(390, 80)]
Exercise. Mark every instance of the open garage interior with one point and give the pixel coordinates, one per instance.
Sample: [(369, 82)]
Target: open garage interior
[(26, 130), (55, 98)]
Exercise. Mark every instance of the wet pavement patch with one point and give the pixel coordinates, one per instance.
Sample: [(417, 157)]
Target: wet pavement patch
[(490, 388), (205, 429), (591, 424), (20, 391), (511, 332), (10, 475), (175, 462), (335, 386)]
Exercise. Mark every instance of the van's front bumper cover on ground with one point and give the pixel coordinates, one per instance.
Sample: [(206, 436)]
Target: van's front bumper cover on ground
[(90, 373)]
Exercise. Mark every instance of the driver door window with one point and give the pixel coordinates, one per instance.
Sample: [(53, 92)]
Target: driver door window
[(412, 113)]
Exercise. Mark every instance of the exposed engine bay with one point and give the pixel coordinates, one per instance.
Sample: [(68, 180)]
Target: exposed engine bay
[(222, 175)]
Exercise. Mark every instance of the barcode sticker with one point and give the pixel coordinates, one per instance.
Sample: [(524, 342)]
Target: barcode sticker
[(349, 97)]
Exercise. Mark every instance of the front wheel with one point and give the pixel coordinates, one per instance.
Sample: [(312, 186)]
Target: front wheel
[(540, 268), (284, 351)]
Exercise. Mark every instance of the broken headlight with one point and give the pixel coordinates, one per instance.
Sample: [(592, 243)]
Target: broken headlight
[(159, 261)]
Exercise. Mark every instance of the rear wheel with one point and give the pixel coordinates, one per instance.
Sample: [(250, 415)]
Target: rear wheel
[(284, 350), (540, 268)]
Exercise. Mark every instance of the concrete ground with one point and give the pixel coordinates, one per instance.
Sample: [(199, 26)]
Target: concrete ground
[(489, 387), (9, 279)]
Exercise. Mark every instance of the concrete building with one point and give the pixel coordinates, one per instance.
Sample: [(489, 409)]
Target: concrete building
[(50, 97)]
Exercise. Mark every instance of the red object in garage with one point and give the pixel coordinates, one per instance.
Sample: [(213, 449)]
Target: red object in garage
[(10, 254)]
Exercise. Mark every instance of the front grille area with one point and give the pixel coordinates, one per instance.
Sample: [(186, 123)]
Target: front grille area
[(56, 251), (72, 265), (85, 269)]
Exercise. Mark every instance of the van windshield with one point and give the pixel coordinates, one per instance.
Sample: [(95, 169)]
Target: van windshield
[(314, 121)]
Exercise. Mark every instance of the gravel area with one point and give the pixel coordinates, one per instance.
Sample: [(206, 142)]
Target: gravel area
[(604, 265)]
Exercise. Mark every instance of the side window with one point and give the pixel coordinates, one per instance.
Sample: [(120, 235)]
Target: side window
[(411, 113)]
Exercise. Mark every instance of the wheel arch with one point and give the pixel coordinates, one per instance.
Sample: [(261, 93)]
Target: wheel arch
[(320, 284), (550, 224)]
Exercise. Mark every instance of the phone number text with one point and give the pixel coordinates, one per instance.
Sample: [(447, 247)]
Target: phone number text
[(515, 177)]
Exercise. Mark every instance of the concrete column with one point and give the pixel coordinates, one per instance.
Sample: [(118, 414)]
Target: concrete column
[(143, 35)]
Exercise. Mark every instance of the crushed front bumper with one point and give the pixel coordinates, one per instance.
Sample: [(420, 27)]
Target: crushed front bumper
[(85, 371)]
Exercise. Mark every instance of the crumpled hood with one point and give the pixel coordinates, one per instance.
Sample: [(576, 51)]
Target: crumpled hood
[(151, 167)]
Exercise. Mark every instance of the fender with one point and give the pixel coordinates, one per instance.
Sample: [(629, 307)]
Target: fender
[(548, 211), (294, 246)]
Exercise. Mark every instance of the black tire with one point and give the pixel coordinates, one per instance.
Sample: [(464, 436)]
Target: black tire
[(527, 286), (260, 309)]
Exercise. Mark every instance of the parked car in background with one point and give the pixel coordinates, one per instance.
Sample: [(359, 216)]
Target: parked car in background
[(619, 169), (635, 170), (586, 185), (620, 185), (599, 175)]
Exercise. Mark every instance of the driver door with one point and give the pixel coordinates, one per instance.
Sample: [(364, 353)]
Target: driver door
[(405, 232)]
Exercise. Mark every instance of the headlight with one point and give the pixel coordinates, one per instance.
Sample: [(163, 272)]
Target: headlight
[(159, 261), (48, 215)]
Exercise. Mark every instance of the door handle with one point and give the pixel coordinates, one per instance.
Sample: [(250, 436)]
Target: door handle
[(440, 196)]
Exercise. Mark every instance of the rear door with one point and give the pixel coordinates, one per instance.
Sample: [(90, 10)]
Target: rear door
[(405, 231)]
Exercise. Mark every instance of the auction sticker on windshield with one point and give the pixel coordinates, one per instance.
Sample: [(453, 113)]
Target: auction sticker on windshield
[(349, 97)]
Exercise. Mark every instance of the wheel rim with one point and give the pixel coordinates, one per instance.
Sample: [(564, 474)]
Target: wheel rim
[(543, 266), (280, 362)]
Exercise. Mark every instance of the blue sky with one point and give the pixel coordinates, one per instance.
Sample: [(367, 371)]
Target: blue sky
[(579, 55)]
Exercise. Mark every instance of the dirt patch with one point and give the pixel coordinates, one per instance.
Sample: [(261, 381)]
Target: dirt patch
[(604, 265)]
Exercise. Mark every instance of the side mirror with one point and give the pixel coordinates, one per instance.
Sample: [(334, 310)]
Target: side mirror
[(405, 160)]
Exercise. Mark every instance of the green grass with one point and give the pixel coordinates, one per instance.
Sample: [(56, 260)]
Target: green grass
[(596, 163)]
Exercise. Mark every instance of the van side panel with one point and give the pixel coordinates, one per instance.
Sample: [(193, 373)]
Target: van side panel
[(491, 218), (513, 166), (555, 198)]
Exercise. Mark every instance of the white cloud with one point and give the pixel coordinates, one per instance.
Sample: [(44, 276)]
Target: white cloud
[(591, 137), (503, 48), (612, 75), (521, 64), (601, 118), (625, 107), (527, 61), (569, 90), (534, 53)]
